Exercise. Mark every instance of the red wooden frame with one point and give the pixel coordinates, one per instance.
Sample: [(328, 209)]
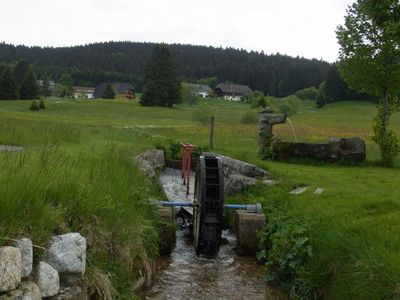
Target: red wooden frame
[(186, 163)]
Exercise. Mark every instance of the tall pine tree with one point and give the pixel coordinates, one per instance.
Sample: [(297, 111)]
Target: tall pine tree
[(8, 87), (162, 86), (29, 89)]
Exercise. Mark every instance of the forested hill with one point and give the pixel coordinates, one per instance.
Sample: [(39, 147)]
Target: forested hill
[(277, 75)]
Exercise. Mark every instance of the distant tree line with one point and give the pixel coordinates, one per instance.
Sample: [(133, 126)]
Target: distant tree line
[(18, 82), (276, 75)]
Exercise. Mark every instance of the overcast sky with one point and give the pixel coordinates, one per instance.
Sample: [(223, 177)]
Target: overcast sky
[(294, 27)]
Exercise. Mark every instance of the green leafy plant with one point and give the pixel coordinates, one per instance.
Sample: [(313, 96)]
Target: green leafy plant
[(267, 154), (286, 250)]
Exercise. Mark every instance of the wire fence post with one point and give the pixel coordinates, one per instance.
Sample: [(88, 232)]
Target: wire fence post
[(212, 133)]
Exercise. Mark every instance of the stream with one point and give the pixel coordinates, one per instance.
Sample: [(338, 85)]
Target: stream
[(183, 275)]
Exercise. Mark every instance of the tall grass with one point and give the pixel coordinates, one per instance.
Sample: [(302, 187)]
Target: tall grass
[(76, 173), (98, 193)]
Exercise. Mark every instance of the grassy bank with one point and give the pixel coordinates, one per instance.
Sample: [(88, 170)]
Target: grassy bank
[(77, 174)]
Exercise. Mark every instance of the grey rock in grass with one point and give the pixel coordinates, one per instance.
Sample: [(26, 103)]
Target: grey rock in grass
[(47, 279), (10, 268), (318, 191), (67, 255), (9, 148), (151, 162), (234, 166), (236, 183), (26, 291), (299, 190), (26, 248), (269, 182)]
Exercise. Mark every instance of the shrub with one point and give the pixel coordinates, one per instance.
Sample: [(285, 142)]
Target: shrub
[(34, 106), (286, 248), (202, 114), (249, 118), (267, 154), (289, 105), (42, 105), (308, 93)]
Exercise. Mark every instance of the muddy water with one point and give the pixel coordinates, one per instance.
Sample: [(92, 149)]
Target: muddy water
[(183, 275)]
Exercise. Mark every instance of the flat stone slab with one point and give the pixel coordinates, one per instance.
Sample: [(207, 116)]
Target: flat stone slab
[(299, 190), (269, 182), (318, 191), (9, 148)]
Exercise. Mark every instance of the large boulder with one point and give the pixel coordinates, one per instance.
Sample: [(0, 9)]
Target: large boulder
[(10, 268), (26, 248), (150, 163), (67, 255), (239, 175), (236, 183), (47, 279), (26, 291), (234, 166)]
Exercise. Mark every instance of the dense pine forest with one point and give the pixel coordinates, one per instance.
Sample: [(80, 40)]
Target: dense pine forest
[(276, 75)]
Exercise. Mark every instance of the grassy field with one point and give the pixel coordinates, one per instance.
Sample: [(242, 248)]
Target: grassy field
[(77, 173)]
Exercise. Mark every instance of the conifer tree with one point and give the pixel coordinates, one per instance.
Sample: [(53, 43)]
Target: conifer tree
[(109, 92), (8, 87), (45, 88), (21, 69), (29, 89), (162, 86)]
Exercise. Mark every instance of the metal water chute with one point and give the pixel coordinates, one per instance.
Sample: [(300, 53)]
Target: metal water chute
[(208, 206)]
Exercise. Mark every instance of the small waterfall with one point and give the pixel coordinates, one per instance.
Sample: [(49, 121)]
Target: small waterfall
[(294, 133)]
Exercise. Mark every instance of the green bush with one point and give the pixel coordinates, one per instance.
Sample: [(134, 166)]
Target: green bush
[(42, 105), (308, 93), (202, 114), (286, 251), (34, 106), (289, 105), (250, 118), (267, 154)]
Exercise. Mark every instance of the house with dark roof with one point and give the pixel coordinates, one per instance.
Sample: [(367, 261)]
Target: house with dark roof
[(200, 90), (231, 91), (122, 90)]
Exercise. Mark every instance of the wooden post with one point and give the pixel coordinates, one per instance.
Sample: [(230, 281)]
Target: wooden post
[(212, 133)]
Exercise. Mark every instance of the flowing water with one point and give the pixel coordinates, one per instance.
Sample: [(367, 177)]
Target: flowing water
[(293, 131), (183, 275)]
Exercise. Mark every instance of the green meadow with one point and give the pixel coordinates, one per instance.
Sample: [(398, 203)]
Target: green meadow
[(77, 173)]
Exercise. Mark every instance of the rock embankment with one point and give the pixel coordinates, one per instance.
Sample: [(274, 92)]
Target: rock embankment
[(62, 265)]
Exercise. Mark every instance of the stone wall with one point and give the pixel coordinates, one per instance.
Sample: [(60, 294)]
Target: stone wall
[(54, 276)]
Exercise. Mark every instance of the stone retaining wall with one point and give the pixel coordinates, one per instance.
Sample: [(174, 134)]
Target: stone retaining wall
[(55, 275)]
